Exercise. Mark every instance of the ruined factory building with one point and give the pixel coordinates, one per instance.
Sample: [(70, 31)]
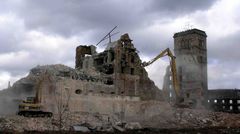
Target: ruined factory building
[(111, 78), (117, 67)]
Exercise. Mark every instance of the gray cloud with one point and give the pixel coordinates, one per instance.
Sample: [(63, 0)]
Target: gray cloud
[(10, 36), (152, 43), (79, 17), (225, 49), (223, 75), (179, 7), (95, 18), (92, 19)]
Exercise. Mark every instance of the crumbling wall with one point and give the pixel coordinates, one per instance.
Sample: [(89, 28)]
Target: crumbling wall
[(86, 97), (81, 51), (25, 87), (115, 72), (121, 65)]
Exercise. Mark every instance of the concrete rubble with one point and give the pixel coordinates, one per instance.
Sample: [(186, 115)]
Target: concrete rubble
[(176, 118)]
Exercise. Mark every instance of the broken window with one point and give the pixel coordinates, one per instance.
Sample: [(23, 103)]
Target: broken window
[(99, 61), (188, 95), (132, 71), (132, 59), (105, 59), (108, 69), (78, 91), (112, 56), (122, 69), (108, 82), (200, 43)]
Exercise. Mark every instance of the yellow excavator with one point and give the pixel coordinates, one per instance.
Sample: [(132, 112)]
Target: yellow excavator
[(180, 102), (32, 107)]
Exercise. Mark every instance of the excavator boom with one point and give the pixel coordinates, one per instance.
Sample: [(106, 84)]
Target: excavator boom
[(167, 52), (180, 102)]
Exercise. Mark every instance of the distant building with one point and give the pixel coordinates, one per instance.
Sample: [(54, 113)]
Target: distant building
[(223, 100)]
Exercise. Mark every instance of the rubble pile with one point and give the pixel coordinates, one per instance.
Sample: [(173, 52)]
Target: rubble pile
[(11, 97), (20, 124), (174, 119), (189, 118)]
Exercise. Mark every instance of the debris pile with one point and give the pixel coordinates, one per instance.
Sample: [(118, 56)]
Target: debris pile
[(85, 122)]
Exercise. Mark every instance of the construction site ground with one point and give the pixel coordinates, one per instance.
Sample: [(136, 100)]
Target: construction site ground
[(212, 130), (173, 120)]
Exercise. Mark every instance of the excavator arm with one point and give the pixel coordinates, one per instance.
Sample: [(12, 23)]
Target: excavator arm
[(167, 52)]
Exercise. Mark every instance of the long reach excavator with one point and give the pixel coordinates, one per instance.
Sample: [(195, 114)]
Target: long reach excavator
[(180, 102)]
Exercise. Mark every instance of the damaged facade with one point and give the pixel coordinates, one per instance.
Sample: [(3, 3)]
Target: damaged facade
[(111, 78), (118, 66)]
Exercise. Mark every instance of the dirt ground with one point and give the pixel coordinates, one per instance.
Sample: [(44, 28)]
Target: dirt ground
[(172, 122), (213, 130), (156, 118)]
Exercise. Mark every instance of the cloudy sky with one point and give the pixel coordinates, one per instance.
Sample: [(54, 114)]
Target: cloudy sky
[(39, 32)]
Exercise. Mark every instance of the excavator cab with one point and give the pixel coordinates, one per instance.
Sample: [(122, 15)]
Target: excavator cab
[(30, 100), (29, 108)]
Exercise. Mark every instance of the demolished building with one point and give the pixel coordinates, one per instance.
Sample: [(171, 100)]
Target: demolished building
[(120, 67), (116, 78), (113, 78)]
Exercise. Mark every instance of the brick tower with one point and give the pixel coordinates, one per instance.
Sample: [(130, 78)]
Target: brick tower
[(190, 49)]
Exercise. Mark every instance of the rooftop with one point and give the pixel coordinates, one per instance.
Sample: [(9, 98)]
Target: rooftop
[(191, 31)]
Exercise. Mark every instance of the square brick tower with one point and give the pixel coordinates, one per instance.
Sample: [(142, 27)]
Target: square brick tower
[(190, 48)]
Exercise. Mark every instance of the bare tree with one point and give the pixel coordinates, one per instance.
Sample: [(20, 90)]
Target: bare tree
[(62, 98)]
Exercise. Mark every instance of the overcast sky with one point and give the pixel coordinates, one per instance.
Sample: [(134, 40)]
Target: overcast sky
[(40, 32)]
